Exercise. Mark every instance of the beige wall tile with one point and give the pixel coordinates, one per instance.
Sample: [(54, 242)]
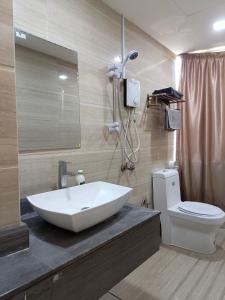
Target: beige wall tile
[(7, 90), (9, 197), (31, 16), (6, 37), (9, 189), (8, 128)]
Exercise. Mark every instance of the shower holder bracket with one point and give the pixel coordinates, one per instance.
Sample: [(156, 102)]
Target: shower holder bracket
[(113, 127)]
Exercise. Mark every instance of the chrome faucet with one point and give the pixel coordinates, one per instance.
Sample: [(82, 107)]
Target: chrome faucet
[(63, 174)]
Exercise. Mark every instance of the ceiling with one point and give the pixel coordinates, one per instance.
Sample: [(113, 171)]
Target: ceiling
[(180, 25)]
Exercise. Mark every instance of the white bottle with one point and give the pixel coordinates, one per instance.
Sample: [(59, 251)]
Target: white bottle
[(80, 179)]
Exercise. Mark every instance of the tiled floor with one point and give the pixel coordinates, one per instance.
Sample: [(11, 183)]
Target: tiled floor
[(176, 274)]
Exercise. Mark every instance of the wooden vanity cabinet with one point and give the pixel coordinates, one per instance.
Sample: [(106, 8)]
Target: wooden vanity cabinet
[(90, 277)]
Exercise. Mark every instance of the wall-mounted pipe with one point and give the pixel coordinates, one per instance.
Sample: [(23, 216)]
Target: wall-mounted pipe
[(122, 45), (115, 97)]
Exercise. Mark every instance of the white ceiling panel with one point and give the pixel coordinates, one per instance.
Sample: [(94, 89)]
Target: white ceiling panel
[(190, 7), (180, 25)]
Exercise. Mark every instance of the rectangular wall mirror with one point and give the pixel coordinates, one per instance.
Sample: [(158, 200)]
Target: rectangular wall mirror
[(47, 92)]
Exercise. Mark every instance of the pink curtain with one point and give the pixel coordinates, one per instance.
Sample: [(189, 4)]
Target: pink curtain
[(201, 142)]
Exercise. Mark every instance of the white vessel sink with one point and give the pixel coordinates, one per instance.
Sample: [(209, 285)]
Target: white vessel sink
[(77, 208)]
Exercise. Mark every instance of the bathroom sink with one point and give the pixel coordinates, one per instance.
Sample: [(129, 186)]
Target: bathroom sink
[(79, 207)]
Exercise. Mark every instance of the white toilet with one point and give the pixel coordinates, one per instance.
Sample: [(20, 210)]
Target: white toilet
[(189, 225)]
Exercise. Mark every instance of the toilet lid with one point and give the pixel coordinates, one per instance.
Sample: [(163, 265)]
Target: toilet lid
[(199, 208)]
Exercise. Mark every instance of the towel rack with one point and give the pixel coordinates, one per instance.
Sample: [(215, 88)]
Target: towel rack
[(157, 100)]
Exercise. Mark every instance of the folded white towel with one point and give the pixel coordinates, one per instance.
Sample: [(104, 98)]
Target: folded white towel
[(173, 119)]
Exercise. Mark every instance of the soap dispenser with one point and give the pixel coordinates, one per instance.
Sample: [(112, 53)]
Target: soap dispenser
[(80, 178)]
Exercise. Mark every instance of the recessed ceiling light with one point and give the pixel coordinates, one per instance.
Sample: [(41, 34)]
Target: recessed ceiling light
[(219, 25), (63, 76)]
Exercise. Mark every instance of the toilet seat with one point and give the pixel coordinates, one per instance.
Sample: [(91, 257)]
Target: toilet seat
[(175, 211), (199, 209)]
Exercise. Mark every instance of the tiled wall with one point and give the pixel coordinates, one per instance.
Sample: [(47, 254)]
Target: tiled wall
[(9, 191), (93, 29)]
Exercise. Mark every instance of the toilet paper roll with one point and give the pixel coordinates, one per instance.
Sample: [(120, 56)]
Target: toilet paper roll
[(171, 164)]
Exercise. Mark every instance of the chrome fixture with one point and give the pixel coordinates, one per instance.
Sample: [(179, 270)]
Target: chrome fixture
[(133, 54), (63, 174), (117, 70)]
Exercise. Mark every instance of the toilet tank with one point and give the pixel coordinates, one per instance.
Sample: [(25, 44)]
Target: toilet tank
[(166, 189)]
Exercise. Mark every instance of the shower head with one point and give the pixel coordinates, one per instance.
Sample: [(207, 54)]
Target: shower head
[(118, 69), (130, 56)]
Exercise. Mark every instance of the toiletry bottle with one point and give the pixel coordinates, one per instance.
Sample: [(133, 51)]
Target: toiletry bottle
[(80, 179)]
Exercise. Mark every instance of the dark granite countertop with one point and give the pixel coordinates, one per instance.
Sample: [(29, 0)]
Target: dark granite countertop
[(53, 248)]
